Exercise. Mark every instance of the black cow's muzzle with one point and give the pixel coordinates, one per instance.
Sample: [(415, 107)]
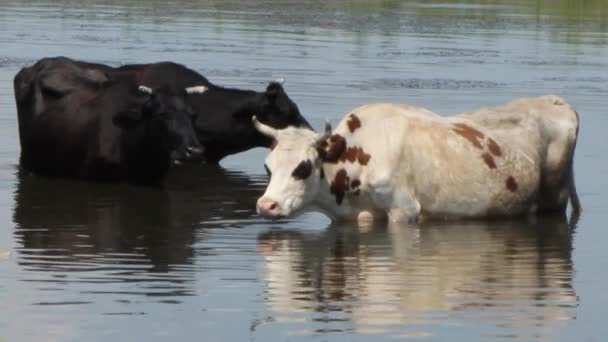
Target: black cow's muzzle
[(188, 154)]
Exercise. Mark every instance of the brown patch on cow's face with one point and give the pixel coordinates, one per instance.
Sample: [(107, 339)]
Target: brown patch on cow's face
[(511, 184), (339, 185), (335, 148), (303, 170), (494, 148), (489, 160), (469, 133), (353, 122)]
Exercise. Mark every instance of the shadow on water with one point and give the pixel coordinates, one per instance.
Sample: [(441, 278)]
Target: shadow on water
[(513, 275), (73, 231)]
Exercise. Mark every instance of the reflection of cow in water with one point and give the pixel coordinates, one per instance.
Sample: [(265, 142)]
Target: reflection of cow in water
[(386, 277), (154, 228)]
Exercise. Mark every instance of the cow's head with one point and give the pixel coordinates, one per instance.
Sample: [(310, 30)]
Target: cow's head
[(294, 166), (49, 80), (278, 110), (164, 114)]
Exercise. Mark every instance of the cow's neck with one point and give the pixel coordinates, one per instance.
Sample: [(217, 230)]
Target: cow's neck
[(147, 149), (326, 201)]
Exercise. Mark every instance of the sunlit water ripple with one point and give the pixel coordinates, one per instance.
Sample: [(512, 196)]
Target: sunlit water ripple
[(192, 260)]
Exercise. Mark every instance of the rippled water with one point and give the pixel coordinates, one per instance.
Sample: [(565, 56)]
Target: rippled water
[(192, 261)]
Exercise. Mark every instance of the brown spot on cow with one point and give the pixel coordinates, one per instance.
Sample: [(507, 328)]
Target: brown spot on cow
[(334, 150), (353, 154), (362, 157), (494, 148), (353, 122), (350, 154), (511, 184), (355, 184), (339, 185), (303, 170), (469, 133), (489, 160)]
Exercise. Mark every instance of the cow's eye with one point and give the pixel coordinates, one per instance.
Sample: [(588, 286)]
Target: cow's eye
[(303, 170), (267, 170)]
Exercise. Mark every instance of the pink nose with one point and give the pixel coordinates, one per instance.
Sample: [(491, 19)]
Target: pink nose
[(268, 208)]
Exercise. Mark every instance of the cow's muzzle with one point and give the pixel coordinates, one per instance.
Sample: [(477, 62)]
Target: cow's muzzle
[(268, 208), (192, 153)]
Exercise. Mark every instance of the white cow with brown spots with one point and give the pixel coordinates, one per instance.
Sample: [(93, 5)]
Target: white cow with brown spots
[(407, 163)]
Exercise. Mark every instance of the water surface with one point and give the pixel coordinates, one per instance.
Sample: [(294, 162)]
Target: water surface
[(192, 261)]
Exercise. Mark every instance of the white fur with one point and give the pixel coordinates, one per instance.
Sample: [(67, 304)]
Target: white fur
[(420, 165)]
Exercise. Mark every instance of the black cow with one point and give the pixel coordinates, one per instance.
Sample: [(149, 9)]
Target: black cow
[(46, 83), (223, 115), (110, 131)]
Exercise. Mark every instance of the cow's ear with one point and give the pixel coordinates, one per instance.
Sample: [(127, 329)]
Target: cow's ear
[(96, 77), (274, 90), (57, 83), (332, 150), (127, 118), (22, 84)]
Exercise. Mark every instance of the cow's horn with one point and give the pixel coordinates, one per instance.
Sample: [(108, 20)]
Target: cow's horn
[(264, 129), (280, 81), (196, 89), (145, 90), (326, 134)]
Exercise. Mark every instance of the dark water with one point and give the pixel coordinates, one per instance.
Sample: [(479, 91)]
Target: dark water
[(192, 261)]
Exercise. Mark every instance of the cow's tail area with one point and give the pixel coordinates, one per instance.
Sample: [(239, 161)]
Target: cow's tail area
[(575, 202)]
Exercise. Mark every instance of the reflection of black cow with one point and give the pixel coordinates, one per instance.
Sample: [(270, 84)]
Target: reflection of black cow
[(80, 220), (223, 115), (93, 219), (401, 275)]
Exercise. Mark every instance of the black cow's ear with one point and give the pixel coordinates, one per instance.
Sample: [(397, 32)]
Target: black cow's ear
[(127, 118), (22, 84), (57, 83), (274, 90)]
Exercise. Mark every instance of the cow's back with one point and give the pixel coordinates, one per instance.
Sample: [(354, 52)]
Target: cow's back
[(452, 167), (545, 126)]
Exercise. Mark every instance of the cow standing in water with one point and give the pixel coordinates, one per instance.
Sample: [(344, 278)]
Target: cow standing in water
[(120, 132), (406, 163), (222, 116)]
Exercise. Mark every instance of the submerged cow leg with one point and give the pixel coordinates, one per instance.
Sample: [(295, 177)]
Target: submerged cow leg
[(368, 217), (404, 208), (399, 215)]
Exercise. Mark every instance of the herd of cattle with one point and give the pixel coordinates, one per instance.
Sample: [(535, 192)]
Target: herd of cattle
[(383, 161)]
